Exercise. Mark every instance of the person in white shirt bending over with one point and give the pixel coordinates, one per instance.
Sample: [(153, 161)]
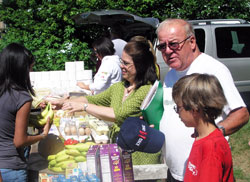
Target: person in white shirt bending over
[(109, 71)]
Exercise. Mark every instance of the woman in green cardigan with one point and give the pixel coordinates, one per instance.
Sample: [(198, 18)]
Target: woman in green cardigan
[(124, 98)]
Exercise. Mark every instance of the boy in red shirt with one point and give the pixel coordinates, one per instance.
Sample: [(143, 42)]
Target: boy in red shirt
[(199, 101)]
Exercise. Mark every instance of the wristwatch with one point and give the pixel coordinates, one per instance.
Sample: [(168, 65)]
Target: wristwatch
[(85, 106), (223, 129)]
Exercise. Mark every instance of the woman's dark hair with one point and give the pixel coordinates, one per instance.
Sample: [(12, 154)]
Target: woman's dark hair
[(15, 61), (104, 46), (143, 61)]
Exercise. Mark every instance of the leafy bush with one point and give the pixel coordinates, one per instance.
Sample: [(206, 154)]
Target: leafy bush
[(47, 29)]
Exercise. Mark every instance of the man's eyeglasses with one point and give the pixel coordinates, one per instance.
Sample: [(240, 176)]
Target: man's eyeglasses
[(124, 62), (177, 108), (171, 45)]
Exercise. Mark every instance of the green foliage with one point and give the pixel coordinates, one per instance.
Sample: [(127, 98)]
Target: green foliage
[(240, 153), (240, 175), (46, 27), (211, 9)]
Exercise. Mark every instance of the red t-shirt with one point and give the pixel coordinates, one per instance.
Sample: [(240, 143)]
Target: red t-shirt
[(210, 160)]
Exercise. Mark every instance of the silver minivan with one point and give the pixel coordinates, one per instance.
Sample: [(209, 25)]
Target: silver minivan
[(227, 40)]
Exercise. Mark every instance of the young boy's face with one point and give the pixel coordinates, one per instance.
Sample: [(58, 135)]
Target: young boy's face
[(186, 116)]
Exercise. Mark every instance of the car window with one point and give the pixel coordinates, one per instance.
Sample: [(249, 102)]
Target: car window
[(233, 42), (200, 38)]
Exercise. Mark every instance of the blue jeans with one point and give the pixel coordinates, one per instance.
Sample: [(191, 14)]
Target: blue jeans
[(11, 175), (27, 152)]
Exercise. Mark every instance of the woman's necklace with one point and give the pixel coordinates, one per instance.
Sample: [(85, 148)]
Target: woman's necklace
[(128, 91)]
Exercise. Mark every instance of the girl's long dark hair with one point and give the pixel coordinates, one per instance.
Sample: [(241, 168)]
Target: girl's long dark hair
[(15, 61)]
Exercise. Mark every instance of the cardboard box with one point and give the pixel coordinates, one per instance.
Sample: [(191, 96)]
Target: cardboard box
[(71, 169), (116, 163), (127, 166), (43, 177), (105, 163), (93, 160)]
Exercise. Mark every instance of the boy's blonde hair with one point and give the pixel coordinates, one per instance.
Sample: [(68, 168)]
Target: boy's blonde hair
[(200, 92)]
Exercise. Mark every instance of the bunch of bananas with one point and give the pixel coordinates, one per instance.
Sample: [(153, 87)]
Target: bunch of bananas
[(39, 120), (71, 155)]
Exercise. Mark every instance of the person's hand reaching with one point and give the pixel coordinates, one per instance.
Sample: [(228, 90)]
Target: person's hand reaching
[(152, 126), (58, 103), (43, 104), (46, 128), (73, 106), (82, 85)]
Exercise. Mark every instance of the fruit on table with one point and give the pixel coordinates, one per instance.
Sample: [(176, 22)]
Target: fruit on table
[(62, 158), (64, 164), (63, 152), (70, 141), (83, 147), (55, 169), (52, 162), (71, 155), (84, 153), (51, 157), (80, 159), (73, 152)]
